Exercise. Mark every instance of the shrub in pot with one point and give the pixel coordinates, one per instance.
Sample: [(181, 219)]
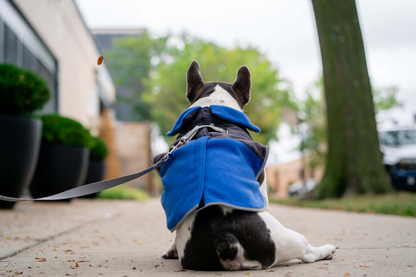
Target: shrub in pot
[(21, 93), (63, 157), (97, 165)]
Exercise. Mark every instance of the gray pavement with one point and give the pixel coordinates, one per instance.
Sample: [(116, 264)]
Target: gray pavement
[(124, 238)]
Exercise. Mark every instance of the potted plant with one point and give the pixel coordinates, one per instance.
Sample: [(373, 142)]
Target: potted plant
[(21, 93), (97, 165), (63, 157)]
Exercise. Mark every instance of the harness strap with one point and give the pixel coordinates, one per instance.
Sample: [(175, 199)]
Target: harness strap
[(103, 185), (188, 137)]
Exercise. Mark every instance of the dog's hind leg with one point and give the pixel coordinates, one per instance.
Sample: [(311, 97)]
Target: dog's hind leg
[(292, 245), (313, 254), (171, 252)]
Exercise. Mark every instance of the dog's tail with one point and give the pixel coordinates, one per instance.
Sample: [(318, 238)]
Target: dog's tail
[(226, 246)]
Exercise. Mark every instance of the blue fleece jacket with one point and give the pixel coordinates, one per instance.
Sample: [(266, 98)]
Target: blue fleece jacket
[(214, 168)]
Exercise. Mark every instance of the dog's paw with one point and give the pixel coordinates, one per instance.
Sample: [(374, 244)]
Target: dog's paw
[(170, 254), (331, 251)]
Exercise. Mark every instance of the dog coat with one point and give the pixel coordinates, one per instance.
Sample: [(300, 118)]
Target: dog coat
[(214, 167)]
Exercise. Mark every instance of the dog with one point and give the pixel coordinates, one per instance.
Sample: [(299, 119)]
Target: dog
[(210, 233)]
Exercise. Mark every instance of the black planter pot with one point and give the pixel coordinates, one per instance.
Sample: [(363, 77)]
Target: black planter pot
[(59, 168), (96, 173), (19, 149)]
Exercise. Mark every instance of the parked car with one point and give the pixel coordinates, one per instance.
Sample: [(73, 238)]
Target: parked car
[(398, 146), (300, 189)]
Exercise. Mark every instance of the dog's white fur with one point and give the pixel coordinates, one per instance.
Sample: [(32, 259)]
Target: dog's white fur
[(288, 243), (219, 97)]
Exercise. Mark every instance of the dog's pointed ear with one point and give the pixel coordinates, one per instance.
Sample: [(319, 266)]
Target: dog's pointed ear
[(194, 80), (242, 84)]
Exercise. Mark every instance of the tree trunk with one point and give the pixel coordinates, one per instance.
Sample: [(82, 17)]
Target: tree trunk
[(354, 161)]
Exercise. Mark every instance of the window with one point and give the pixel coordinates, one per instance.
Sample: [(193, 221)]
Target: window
[(399, 138), (13, 51), (10, 46)]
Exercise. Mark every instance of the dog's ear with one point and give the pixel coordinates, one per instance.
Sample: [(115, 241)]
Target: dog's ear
[(194, 80), (242, 84)]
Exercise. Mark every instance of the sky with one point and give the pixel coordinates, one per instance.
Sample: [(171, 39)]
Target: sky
[(285, 31)]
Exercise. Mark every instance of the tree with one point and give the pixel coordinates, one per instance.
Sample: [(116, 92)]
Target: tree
[(130, 63), (165, 90), (353, 163), (313, 112)]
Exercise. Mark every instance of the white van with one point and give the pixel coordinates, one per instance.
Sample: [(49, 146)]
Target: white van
[(398, 146)]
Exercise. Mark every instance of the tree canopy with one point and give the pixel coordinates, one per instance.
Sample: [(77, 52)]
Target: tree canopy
[(165, 89)]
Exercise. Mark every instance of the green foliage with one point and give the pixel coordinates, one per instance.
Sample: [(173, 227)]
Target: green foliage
[(165, 90), (21, 91), (130, 63), (398, 204), (64, 131), (385, 99), (98, 149), (313, 110), (123, 192), (156, 74)]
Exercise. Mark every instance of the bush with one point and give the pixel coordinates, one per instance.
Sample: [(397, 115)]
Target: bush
[(123, 192), (98, 149), (64, 131), (21, 91)]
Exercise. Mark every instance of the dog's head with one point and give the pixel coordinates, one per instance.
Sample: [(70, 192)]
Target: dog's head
[(201, 93)]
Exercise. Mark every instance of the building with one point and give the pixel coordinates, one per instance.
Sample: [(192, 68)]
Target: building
[(106, 39), (51, 38), (280, 176)]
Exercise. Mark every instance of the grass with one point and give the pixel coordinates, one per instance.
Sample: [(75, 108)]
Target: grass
[(402, 203), (123, 192)]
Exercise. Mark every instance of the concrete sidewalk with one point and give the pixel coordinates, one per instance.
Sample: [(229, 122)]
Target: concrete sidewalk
[(123, 238)]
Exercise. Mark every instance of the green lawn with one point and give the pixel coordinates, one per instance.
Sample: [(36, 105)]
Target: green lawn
[(124, 192), (398, 203)]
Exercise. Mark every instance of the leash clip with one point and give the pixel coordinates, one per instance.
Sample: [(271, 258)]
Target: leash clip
[(179, 144)]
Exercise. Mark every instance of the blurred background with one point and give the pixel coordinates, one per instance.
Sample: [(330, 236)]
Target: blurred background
[(134, 97)]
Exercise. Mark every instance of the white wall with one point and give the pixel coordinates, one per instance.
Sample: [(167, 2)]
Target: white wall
[(62, 29)]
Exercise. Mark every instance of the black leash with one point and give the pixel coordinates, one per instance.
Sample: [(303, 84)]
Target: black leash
[(103, 185), (90, 188)]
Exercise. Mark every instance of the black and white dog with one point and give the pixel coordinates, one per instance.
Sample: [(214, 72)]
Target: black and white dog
[(220, 237)]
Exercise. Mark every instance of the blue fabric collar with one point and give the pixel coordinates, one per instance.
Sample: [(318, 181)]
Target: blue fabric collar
[(226, 113)]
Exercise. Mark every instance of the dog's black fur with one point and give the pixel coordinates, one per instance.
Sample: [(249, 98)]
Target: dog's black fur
[(215, 234)]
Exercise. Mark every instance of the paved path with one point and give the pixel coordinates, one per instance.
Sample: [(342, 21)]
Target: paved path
[(123, 238)]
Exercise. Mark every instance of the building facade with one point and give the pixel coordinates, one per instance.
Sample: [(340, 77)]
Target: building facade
[(106, 38), (281, 176), (51, 38)]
